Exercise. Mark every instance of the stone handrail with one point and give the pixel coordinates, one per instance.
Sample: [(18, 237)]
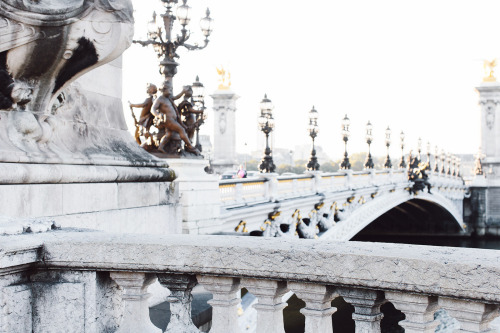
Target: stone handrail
[(241, 192), (70, 271)]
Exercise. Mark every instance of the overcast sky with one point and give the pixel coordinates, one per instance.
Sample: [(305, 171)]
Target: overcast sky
[(409, 65)]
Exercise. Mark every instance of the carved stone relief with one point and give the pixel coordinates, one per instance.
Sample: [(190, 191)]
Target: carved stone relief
[(490, 115), (222, 122)]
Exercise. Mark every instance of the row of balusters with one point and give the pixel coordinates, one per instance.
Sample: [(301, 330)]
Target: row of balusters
[(419, 309)]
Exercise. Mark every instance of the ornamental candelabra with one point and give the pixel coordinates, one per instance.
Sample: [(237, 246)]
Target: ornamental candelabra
[(436, 158), (429, 153), (165, 45), (345, 165), (388, 163), (454, 165), (443, 159), (402, 163), (459, 162), (313, 129), (198, 100), (419, 149), (369, 139), (448, 161), (266, 125)]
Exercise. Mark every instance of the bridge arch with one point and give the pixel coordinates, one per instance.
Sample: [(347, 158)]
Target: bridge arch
[(366, 214)]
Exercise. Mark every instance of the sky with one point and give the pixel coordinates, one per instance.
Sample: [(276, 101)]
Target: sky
[(409, 65)]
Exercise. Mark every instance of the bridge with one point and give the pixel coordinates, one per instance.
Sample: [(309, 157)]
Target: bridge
[(347, 201)]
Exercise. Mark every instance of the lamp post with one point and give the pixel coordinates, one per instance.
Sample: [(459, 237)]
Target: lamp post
[(369, 139), (266, 125), (345, 165), (388, 163), (402, 163), (164, 44), (454, 164), (419, 149), (448, 160), (199, 104), (443, 158), (313, 129), (436, 158), (429, 154)]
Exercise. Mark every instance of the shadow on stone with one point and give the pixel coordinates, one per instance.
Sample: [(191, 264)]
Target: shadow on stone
[(201, 312)]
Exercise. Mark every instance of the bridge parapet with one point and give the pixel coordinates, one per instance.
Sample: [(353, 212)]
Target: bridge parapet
[(252, 200), (93, 281)]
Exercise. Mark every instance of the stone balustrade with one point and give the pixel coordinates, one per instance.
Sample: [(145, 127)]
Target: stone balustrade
[(251, 200), (80, 281), (241, 192)]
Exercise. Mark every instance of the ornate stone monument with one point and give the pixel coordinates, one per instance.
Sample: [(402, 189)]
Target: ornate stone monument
[(485, 196), (224, 105), (64, 145)]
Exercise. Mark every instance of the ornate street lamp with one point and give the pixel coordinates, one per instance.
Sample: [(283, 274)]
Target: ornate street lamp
[(198, 99), (266, 125), (429, 154), (443, 158), (345, 165), (436, 158), (369, 139), (448, 160), (454, 164), (388, 163), (313, 129), (459, 161), (402, 163), (419, 149), (164, 44)]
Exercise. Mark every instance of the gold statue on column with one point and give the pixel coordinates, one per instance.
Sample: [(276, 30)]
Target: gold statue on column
[(489, 70), (224, 79)]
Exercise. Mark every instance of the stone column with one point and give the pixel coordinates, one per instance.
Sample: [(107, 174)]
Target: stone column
[(473, 317), (487, 215), (224, 304), (135, 302), (367, 315), (318, 310), (419, 311), (270, 304), (224, 106), (180, 298)]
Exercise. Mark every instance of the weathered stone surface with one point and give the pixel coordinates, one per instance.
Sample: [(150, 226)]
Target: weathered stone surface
[(318, 310), (463, 273), (269, 305)]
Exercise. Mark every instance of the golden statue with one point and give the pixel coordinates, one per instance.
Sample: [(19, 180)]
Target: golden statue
[(489, 70), (225, 80)]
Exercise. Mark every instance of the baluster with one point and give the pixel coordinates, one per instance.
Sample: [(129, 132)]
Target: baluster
[(318, 310), (238, 188), (224, 304), (419, 311), (367, 315), (270, 304), (180, 298), (135, 302), (473, 317)]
